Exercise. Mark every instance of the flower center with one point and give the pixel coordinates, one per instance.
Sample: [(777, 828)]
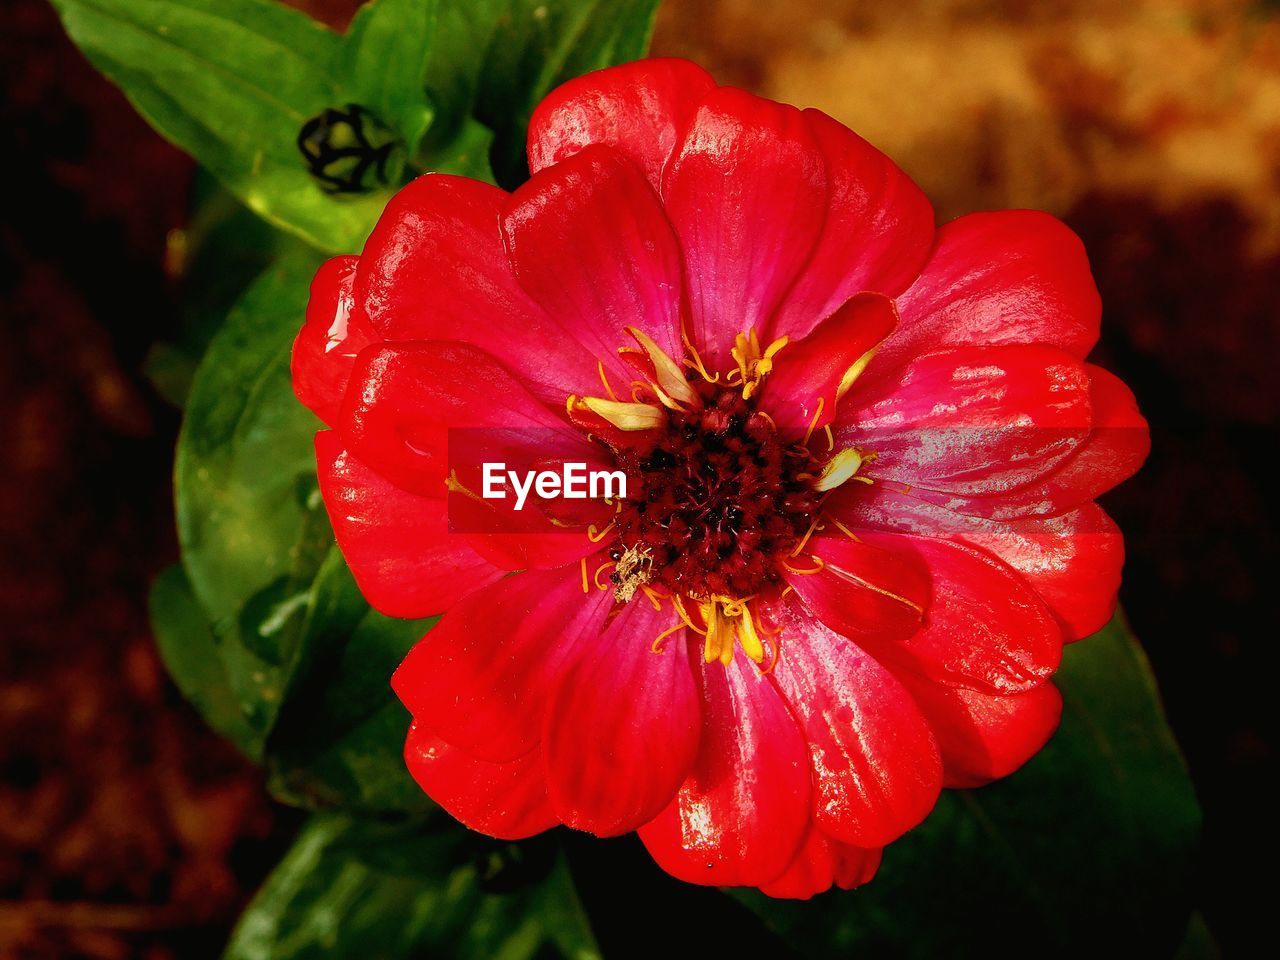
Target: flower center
[(714, 500)]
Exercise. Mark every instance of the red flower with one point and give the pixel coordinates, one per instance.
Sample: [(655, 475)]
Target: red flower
[(861, 456)]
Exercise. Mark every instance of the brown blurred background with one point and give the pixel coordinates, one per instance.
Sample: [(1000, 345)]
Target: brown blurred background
[(1153, 128)]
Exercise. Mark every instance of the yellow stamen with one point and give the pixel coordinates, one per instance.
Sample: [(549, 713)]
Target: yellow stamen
[(749, 638), (814, 422), (454, 485), (654, 597), (847, 532), (880, 590), (626, 416), (839, 469), (678, 603), (753, 365), (696, 363), (831, 437), (595, 577), (656, 646), (807, 534), (670, 377), (608, 388), (798, 571), (585, 587), (855, 371), (595, 536)]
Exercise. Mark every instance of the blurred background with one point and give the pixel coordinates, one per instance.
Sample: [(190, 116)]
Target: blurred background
[(1152, 128)]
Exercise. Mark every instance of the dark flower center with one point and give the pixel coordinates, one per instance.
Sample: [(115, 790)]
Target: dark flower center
[(715, 500)]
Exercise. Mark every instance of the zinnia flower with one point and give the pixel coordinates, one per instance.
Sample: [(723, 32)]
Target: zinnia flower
[(860, 454)]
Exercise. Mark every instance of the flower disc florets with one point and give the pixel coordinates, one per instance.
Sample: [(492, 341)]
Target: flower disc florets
[(715, 499)]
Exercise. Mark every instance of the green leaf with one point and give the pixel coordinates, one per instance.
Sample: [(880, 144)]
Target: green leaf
[(530, 47), (220, 251), (340, 739), (1086, 850), (250, 521), (362, 889), (305, 660), (190, 653), (385, 57), (232, 82)]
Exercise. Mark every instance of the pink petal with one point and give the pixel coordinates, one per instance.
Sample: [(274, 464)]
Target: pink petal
[(876, 767), (1011, 277), (985, 626), (972, 421), (591, 245), (740, 817), (334, 332), (503, 800), (878, 232), (746, 192), (821, 864), (622, 728), (984, 736), (434, 268), (396, 543), (481, 678), (810, 372), (641, 108)]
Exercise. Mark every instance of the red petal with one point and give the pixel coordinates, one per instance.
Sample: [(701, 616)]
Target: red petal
[(821, 863), (876, 767), (641, 108), (434, 268), (622, 728), (746, 191), (396, 543), (481, 678), (503, 800), (982, 736), (1072, 561), (862, 591), (418, 410), (984, 626), (740, 817), (878, 232), (1115, 448), (812, 370), (590, 243), (1012, 277), (973, 421), (334, 332)]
